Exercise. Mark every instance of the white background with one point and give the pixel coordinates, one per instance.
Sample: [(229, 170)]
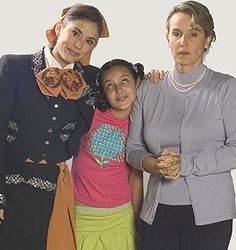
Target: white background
[(137, 33)]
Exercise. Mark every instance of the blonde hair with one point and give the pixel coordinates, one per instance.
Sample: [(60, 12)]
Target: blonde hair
[(200, 15)]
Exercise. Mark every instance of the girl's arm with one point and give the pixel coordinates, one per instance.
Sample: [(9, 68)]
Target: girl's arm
[(1, 215), (136, 182)]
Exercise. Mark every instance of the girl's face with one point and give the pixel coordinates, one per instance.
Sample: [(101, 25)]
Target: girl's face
[(75, 40), (120, 89), (187, 43)]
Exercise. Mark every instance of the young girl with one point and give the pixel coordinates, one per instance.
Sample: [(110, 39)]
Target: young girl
[(108, 193)]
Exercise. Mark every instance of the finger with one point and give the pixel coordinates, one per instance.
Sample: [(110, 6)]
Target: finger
[(169, 152), (162, 74), (165, 172), (152, 75), (171, 170), (176, 177), (156, 76), (175, 167), (171, 176), (162, 166), (176, 171), (147, 76), (163, 158), (167, 177), (168, 162)]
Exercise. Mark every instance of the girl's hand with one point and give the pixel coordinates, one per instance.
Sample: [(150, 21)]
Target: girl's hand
[(155, 75), (153, 165), (1, 215)]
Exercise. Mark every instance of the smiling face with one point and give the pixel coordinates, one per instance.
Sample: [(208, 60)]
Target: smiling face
[(119, 87), (187, 42), (75, 40)]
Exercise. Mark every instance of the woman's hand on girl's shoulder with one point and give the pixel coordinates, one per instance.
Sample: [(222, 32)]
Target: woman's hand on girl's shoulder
[(155, 75)]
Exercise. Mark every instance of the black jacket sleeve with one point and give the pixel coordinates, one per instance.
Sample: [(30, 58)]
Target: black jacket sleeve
[(8, 83)]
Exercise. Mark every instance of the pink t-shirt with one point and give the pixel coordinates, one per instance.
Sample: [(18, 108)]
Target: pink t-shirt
[(100, 171)]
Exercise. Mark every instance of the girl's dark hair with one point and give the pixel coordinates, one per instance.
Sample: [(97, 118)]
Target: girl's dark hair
[(137, 71), (84, 12)]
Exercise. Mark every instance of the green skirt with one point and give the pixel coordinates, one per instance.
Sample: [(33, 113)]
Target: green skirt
[(105, 229)]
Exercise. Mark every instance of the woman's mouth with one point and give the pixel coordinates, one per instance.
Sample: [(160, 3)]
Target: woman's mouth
[(73, 53)]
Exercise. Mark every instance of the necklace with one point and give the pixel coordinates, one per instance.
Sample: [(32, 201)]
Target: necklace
[(186, 87)]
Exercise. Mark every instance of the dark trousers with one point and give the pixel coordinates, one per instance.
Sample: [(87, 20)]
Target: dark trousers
[(174, 229)]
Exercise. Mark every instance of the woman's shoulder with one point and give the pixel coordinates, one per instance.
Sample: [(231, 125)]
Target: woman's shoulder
[(12, 65), (224, 84), (222, 80), (222, 77), (152, 88), (91, 68), (15, 59), (90, 73), (147, 85)]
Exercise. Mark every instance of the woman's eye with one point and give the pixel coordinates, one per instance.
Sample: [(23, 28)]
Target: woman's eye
[(176, 34), (75, 33), (90, 42)]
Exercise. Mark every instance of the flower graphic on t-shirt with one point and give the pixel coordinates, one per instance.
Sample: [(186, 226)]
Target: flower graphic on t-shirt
[(107, 143)]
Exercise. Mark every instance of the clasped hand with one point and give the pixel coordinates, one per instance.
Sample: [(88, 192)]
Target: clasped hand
[(168, 164)]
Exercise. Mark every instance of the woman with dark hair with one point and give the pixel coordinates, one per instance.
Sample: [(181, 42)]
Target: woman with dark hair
[(45, 104)]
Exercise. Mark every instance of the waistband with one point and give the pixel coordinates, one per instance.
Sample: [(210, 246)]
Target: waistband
[(97, 210)]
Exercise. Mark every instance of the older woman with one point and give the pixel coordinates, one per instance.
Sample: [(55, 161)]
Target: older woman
[(45, 104), (183, 132)]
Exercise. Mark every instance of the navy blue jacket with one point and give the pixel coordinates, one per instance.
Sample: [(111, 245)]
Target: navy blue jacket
[(36, 126)]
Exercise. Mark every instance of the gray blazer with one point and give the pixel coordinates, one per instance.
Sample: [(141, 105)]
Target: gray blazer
[(207, 141)]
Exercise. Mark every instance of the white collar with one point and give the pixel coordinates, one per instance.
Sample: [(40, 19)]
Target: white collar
[(52, 62)]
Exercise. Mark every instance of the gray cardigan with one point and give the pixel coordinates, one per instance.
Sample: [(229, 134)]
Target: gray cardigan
[(207, 141)]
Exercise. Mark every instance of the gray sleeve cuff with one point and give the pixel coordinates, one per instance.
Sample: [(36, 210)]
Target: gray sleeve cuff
[(136, 157), (186, 165)]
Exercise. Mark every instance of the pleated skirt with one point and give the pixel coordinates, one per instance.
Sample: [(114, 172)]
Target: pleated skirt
[(105, 229)]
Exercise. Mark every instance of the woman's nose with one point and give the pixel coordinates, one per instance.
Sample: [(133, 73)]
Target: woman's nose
[(183, 40), (78, 43)]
